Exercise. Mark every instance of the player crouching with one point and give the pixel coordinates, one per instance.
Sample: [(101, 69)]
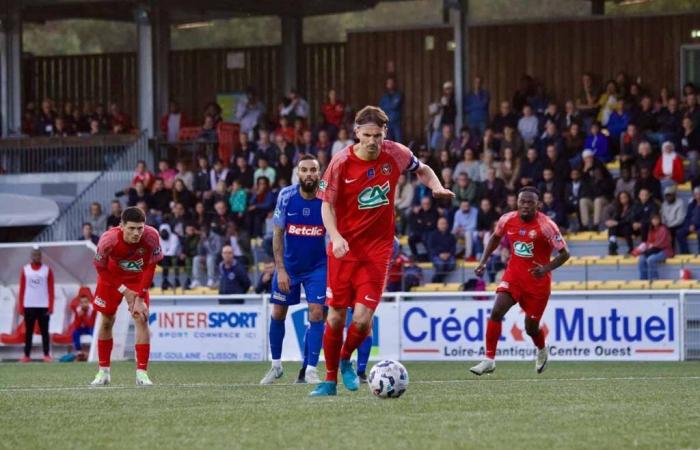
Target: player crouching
[(125, 261)]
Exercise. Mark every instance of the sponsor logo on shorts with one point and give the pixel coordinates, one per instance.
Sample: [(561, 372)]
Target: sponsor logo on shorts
[(523, 249), (279, 296), (374, 196), (306, 230), (504, 285), (99, 302), (134, 266), (367, 297)]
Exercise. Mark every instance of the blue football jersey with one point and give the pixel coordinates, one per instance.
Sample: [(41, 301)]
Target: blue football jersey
[(304, 233)]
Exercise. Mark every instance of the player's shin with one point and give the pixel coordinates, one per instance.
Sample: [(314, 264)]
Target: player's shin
[(142, 346), (314, 342), (332, 342), (363, 352), (493, 333), (277, 331)]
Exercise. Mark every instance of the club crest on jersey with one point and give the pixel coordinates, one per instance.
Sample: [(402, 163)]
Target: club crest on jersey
[(374, 196), (322, 185), (532, 234), (306, 212), (386, 169), (131, 266), (523, 249), (370, 173), (521, 232)]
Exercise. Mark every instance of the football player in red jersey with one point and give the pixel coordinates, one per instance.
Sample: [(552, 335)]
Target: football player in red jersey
[(527, 281), (125, 261), (358, 192)]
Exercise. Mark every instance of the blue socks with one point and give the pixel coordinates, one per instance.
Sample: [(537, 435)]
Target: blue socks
[(276, 338), (314, 340), (363, 354)]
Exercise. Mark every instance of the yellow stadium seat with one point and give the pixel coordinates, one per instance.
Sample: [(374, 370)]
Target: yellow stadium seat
[(564, 285), (685, 187), (452, 287), (611, 285), (613, 165), (636, 284), (592, 284), (663, 284), (403, 240), (155, 291), (159, 269), (491, 287)]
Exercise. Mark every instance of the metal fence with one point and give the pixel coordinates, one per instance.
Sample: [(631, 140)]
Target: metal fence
[(114, 180), (62, 154)]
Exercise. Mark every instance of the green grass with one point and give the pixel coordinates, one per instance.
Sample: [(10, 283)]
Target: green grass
[(571, 405)]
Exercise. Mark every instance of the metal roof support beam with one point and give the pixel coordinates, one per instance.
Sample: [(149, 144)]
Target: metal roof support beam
[(161, 35), (145, 62), (458, 10), (292, 27), (11, 69)]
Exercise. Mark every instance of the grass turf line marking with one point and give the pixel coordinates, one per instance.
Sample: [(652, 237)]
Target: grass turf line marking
[(246, 385)]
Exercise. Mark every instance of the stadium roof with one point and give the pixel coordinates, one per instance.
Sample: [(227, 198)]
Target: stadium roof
[(183, 11)]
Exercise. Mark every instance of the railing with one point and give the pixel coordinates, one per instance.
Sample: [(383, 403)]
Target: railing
[(62, 154), (186, 150), (115, 178)]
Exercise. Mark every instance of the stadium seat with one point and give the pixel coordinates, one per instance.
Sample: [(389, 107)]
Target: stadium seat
[(189, 133), (635, 285)]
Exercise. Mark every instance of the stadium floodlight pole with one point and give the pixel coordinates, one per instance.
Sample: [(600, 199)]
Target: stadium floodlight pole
[(458, 16)]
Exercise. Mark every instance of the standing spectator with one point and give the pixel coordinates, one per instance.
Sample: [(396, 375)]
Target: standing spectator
[(598, 143), (442, 247), (607, 102), (465, 225), (170, 244), (618, 219), (392, 104), (261, 202), (672, 212), (445, 112), (296, 107), (422, 221), (528, 125), (249, 113), (233, 275), (333, 111), (642, 210), (208, 249), (691, 224), (87, 234), (97, 218), (669, 167), (655, 249), (690, 145), (36, 298), (202, 179), (172, 122), (629, 144), (587, 102), (617, 124), (83, 318), (342, 141), (115, 216), (45, 119), (494, 189), (476, 107)]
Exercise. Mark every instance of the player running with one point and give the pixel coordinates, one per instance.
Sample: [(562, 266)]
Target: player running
[(299, 247), (358, 191), (528, 279), (125, 261)]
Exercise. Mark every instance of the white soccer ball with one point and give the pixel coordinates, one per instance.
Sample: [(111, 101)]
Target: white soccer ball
[(388, 379)]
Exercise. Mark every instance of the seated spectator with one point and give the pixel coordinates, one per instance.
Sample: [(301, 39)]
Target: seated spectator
[(188, 250), (598, 143), (295, 106), (246, 148), (530, 169), (265, 281), (487, 162), (572, 143), (528, 126), (238, 202), (509, 171), (445, 139), (170, 245), (243, 172), (208, 250), (485, 222), (402, 204), (554, 209), (669, 167), (213, 110), (445, 205), (645, 158), (88, 234), (183, 195), (202, 179), (465, 225), (285, 131), (552, 114), (159, 199), (422, 220), (618, 219), (670, 121), (102, 118), (61, 129), (218, 172), (648, 182), (550, 136), (642, 210), (550, 184), (208, 131), (691, 224), (646, 119), (83, 320), (617, 124), (655, 249), (469, 165), (45, 119), (233, 276), (511, 140), (504, 117), (465, 140), (343, 141), (179, 219), (115, 215), (579, 201), (220, 194), (143, 175), (465, 189), (629, 144), (97, 218), (119, 118), (442, 246), (494, 189), (137, 194), (607, 102), (333, 112), (184, 173), (239, 240), (690, 145), (559, 165), (306, 146), (264, 170), (673, 212), (260, 203), (166, 173)]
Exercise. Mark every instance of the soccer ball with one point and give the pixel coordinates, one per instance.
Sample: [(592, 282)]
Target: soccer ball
[(388, 379)]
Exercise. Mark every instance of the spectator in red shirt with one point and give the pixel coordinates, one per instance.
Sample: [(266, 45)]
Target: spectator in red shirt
[(333, 111), (120, 120), (36, 298), (669, 167), (143, 175)]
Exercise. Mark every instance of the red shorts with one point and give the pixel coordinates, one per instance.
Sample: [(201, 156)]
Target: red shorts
[(533, 303), (351, 282), (108, 298)]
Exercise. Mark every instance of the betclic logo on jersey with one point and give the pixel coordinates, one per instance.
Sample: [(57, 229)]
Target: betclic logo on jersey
[(374, 196), (306, 230)]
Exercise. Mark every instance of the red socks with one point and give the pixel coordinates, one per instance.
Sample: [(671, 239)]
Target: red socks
[(539, 340), (142, 353), (353, 340), (332, 342), (104, 352), (493, 333)]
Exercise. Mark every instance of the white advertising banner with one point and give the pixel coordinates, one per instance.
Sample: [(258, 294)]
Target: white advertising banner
[(207, 333), (594, 330), (385, 335)]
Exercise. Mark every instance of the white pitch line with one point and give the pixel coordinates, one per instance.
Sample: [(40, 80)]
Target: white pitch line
[(248, 385)]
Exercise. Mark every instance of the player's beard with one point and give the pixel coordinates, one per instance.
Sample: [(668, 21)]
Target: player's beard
[(309, 186)]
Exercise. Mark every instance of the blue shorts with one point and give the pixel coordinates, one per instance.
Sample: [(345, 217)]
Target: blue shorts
[(314, 287)]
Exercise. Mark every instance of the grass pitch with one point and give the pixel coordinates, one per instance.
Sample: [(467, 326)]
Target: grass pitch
[(571, 405)]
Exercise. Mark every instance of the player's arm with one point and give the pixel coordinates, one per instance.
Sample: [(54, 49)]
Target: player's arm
[(339, 244), (278, 252), (427, 176), (551, 231), (491, 246)]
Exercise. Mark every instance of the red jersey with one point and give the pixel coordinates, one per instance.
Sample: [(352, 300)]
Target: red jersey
[(529, 242), (363, 194), (118, 262)]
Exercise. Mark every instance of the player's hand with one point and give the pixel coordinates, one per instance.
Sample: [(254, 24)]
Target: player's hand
[(538, 271), (283, 281), (443, 193), (139, 309), (340, 247), (130, 297), (480, 269)]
